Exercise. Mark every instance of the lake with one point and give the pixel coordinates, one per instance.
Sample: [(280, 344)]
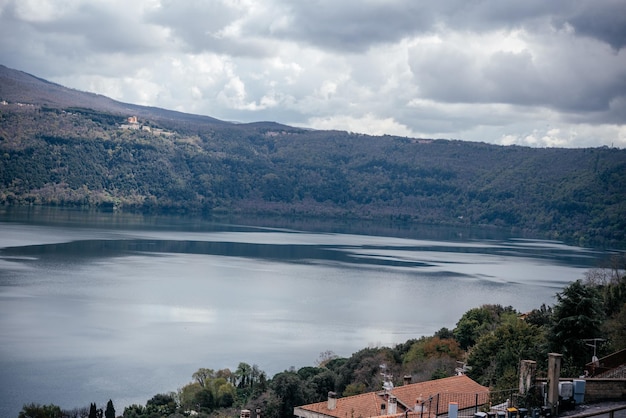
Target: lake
[(99, 306)]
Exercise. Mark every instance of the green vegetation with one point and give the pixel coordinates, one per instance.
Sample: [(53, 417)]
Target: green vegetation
[(65, 147), (94, 159), (40, 411), (110, 411), (490, 341)]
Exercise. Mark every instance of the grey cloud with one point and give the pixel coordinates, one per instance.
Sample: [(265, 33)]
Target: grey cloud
[(614, 114), (90, 28), (352, 25), (200, 26), (357, 25), (489, 15), (423, 65), (566, 80), (15, 40), (90, 39), (195, 22), (104, 29), (602, 20), (348, 25)]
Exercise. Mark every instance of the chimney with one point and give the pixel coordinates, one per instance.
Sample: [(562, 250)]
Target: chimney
[(419, 404), (393, 405), (407, 379), (453, 410), (332, 401)]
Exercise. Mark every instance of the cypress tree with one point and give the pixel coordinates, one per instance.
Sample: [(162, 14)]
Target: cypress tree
[(92, 411), (110, 411)]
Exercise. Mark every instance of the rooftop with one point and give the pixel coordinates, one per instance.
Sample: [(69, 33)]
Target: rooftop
[(460, 389)]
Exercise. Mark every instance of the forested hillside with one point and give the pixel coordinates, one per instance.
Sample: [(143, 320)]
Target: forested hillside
[(63, 147)]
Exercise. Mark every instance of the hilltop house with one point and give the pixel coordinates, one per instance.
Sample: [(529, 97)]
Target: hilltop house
[(419, 400)]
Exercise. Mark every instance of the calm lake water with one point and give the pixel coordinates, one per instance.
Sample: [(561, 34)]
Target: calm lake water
[(111, 306)]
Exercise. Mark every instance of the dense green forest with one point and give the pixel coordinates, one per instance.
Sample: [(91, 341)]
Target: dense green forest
[(95, 159), (489, 340), (60, 146)]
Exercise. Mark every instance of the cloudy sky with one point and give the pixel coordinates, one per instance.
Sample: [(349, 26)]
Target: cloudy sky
[(528, 72)]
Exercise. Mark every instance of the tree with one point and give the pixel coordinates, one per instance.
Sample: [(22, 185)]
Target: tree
[(93, 412), (162, 403), (577, 316), (134, 411), (541, 317), (243, 373), (611, 285), (477, 322), (433, 347), (445, 334), (354, 389), (110, 411), (290, 390), (439, 374), (81, 412), (497, 355), (202, 375), (364, 367), (40, 411), (226, 374), (204, 400), (320, 384), (615, 329), (258, 379), (226, 395), (308, 372), (325, 357), (187, 395), (267, 402)]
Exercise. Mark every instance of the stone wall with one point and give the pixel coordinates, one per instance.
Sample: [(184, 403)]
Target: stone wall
[(597, 390)]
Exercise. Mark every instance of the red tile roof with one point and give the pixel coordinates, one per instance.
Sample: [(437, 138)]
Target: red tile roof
[(441, 392)]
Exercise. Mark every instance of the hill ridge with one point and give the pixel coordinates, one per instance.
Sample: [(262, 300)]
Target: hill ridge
[(74, 148), (28, 88)]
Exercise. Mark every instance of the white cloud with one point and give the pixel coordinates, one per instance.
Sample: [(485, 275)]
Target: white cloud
[(367, 124), (42, 11), (533, 73), (580, 135)]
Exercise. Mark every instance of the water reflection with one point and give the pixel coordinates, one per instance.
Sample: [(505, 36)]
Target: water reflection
[(337, 248), (99, 306)]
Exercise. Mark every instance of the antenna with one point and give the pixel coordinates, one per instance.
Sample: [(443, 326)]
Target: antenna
[(387, 383), (594, 345), (462, 369)]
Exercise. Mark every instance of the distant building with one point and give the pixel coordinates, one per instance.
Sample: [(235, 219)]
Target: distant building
[(132, 119), (418, 400)]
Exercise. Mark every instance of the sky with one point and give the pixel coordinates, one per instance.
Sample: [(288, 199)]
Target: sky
[(532, 72)]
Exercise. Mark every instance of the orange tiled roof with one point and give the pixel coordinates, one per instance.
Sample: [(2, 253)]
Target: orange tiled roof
[(363, 405), (369, 404)]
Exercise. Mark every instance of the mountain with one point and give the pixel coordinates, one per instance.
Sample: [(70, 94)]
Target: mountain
[(60, 146), (20, 87)]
